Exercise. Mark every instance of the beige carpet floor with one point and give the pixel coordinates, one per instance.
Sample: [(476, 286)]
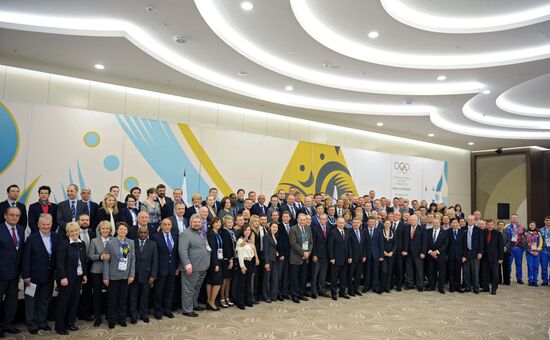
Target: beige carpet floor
[(516, 312)]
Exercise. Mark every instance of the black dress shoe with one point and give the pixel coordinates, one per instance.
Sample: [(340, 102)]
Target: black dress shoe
[(345, 296), (33, 331), (133, 321), (442, 291), (280, 298), (241, 307), (493, 292), (398, 289), (158, 316), (451, 290), (420, 289), (364, 290), (73, 328), (544, 284), (429, 289), (268, 301), (460, 290), (145, 319), (351, 294), (62, 332), (111, 325), (408, 288), (476, 291), (249, 304), (97, 323), (314, 296), (169, 315), (192, 314), (324, 295), (295, 300), (334, 297), (358, 293), (485, 290), (387, 291), (123, 323), (303, 298), (209, 307), (12, 330), (46, 328), (199, 309)]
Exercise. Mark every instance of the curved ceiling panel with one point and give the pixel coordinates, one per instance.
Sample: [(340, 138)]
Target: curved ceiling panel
[(530, 98), (219, 24), (519, 14), (323, 29)]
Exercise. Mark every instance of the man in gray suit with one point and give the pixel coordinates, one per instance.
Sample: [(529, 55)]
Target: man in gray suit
[(194, 254), (70, 209), (301, 244), (146, 273)]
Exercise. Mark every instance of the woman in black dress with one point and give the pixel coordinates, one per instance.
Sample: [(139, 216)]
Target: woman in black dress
[(228, 263), (214, 275), (389, 254)]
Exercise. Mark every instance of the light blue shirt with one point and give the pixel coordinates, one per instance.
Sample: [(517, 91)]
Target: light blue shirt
[(47, 240)]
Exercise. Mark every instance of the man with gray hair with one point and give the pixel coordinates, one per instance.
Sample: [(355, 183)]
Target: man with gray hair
[(38, 270), (194, 253)]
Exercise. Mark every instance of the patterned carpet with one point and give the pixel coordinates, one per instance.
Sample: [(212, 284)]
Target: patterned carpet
[(517, 312)]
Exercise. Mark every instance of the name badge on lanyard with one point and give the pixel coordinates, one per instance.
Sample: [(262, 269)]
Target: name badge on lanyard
[(533, 246), (548, 241), (123, 264), (220, 254), (79, 271)]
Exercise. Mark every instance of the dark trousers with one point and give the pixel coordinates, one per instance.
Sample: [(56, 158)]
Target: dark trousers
[(8, 302), (96, 281), (504, 272), (164, 293), (118, 296), (490, 274), (319, 275), (353, 279), (177, 292), (67, 305), (415, 271), (372, 274), (258, 280), (386, 272), (338, 278), (437, 269), (243, 286), (398, 270), (455, 269), (36, 308), (270, 288), (85, 304), (298, 279), (284, 277), (139, 299), (471, 272)]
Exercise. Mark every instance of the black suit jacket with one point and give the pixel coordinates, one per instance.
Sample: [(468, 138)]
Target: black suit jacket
[(456, 244), (477, 241), (419, 243), (283, 243), (401, 238), (358, 248), (67, 260), (64, 215), (338, 247), (286, 207), (38, 265), (102, 215), (10, 256), (146, 260), (190, 211), (22, 220), (442, 242), (35, 210), (175, 229), (375, 245), (168, 260), (257, 209), (320, 242), (92, 210), (494, 249)]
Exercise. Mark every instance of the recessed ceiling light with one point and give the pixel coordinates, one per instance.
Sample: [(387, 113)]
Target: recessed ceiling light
[(379, 124), (242, 74), (247, 5), (373, 34), (486, 92), (150, 9), (289, 88), (180, 39), (329, 65), (408, 101), (441, 77), (99, 67), (471, 143), (430, 135)]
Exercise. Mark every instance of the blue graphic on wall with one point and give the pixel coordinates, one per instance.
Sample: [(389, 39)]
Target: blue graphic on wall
[(441, 184), (81, 183), (157, 144), (9, 139)]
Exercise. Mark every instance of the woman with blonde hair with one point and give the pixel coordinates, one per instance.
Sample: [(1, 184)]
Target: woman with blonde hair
[(108, 212), (97, 255), (256, 239), (228, 263)]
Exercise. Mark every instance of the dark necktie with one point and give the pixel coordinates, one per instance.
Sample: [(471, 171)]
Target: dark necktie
[(73, 210), (13, 204), (14, 237)]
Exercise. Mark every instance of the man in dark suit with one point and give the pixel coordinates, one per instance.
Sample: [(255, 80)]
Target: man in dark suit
[(13, 194), (12, 238), (43, 206), (339, 257), (146, 274), (168, 261), (438, 242), (166, 203), (418, 246), (38, 269), (168, 210), (259, 207), (401, 249), (291, 207), (493, 255), (217, 204), (301, 244), (70, 209), (319, 259), (358, 255), (308, 208), (87, 234), (455, 254), (86, 198), (473, 253), (283, 248), (374, 255), (331, 217)]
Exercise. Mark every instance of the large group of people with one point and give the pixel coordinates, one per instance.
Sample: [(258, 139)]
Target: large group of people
[(160, 254)]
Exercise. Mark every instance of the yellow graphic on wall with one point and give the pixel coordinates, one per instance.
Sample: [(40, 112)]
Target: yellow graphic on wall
[(317, 168)]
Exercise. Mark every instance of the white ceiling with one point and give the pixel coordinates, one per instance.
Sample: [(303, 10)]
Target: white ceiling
[(319, 47)]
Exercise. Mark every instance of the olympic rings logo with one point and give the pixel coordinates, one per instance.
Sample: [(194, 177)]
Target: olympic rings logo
[(401, 166)]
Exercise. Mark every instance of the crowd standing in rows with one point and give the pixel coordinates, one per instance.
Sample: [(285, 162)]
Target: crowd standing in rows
[(160, 254)]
